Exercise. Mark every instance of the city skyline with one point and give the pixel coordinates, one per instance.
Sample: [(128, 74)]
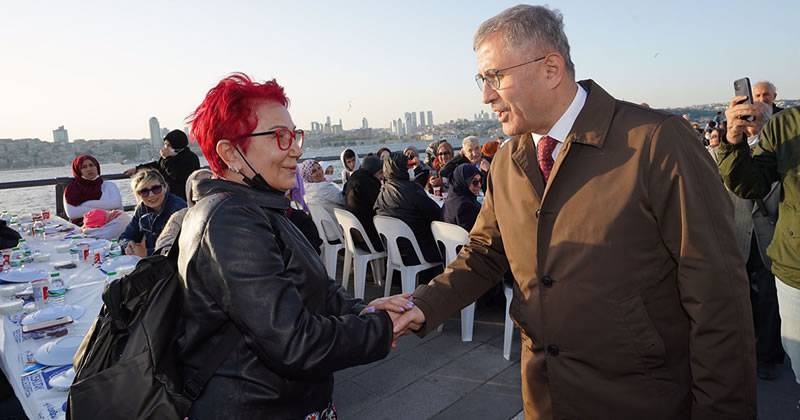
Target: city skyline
[(101, 70)]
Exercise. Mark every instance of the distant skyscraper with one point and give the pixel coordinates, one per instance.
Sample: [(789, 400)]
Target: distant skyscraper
[(422, 118), (164, 132), (394, 127), (364, 123), (60, 135), (400, 131), (155, 133), (340, 124), (430, 118)]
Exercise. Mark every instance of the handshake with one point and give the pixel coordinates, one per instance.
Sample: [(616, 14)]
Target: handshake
[(406, 317)]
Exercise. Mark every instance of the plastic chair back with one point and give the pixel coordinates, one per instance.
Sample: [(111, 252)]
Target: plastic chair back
[(451, 236), (392, 229)]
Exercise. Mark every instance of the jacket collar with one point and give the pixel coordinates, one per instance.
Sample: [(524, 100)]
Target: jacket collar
[(595, 118), (207, 187)]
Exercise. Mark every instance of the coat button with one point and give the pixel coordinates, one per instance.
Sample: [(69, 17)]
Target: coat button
[(547, 281), (553, 350), (537, 213)]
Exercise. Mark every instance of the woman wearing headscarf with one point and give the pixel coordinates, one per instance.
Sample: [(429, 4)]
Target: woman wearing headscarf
[(350, 164), (170, 232), (320, 192), (360, 194), (244, 266), (299, 214), (421, 171), (444, 154), (462, 206), (176, 163), (88, 191)]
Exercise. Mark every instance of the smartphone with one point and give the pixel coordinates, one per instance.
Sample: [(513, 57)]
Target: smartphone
[(741, 87), (38, 326)]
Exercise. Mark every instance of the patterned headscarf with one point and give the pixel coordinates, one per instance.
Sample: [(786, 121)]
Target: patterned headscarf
[(304, 168), (296, 194)]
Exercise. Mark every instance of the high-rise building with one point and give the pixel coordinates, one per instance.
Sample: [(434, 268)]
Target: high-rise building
[(401, 132), (408, 125), (394, 127), (164, 132), (422, 118), (364, 123), (340, 124), (430, 118), (155, 133), (60, 135)]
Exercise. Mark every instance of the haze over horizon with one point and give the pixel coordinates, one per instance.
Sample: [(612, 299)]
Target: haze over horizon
[(103, 69)]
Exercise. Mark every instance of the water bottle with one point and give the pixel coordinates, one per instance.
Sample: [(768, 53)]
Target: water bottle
[(14, 219), (5, 216), (16, 257), (38, 229), (114, 250), (57, 289), (26, 251)]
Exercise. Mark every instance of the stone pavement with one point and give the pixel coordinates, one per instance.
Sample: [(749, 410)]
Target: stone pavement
[(441, 377)]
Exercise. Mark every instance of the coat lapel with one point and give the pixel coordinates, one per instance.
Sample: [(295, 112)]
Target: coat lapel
[(525, 157)]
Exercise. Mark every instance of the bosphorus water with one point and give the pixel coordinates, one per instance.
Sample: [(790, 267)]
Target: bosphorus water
[(26, 200)]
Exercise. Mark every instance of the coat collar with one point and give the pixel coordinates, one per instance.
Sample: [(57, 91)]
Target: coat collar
[(590, 128), (207, 187)]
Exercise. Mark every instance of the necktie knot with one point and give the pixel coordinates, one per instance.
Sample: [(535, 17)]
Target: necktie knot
[(545, 152)]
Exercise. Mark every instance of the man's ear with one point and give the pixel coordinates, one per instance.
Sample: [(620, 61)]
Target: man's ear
[(555, 66)]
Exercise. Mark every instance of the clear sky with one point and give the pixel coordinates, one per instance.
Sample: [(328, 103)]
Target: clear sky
[(103, 68)]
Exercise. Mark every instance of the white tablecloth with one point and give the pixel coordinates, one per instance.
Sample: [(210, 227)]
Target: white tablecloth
[(38, 400)]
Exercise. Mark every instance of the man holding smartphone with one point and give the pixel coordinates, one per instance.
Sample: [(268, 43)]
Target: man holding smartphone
[(776, 158)]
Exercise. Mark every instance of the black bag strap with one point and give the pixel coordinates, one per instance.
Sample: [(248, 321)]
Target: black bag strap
[(193, 387)]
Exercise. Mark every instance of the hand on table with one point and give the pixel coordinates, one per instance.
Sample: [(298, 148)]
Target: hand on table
[(136, 248)]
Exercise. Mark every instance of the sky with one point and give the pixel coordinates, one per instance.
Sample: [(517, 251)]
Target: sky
[(102, 69)]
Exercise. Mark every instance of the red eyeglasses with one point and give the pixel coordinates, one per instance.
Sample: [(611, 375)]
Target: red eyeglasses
[(284, 137)]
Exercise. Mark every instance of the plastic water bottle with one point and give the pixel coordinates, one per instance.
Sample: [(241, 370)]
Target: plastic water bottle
[(14, 219), (26, 251), (114, 250), (57, 289), (38, 229), (16, 257), (5, 216)]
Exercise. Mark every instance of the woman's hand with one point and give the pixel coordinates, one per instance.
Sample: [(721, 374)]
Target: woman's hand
[(398, 304), (136, 248)]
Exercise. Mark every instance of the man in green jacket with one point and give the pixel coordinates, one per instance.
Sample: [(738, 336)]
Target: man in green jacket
[(776, 158)]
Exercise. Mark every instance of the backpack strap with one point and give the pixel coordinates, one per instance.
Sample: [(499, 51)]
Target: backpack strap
[(193, 387)]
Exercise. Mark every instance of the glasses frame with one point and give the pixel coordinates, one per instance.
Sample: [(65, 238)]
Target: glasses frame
[(475, 182), (277, 133), (145, 192), (494, 74)]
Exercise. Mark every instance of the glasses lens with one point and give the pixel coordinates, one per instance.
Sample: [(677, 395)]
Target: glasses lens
[(299, 136), (479, 80), (157, 189), (284, 138), (476, 182)]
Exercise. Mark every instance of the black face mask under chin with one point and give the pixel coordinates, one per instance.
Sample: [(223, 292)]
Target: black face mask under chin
[(257, 182)]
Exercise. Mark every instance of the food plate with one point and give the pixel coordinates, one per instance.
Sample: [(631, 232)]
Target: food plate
[(53, 312), (61, 381), (22, 275), (59, 352), (121, 261)]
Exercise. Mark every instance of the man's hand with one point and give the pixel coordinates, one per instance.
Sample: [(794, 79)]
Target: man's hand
[(485, 165), (738, 128), (129, 172), (410, 320)]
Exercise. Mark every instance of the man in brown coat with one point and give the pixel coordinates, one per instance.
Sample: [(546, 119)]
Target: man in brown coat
[(630, 294)]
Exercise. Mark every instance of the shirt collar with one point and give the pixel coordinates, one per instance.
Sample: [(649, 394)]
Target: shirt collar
[(562, 127)]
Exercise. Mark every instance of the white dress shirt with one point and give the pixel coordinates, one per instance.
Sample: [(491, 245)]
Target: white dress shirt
[(563, 126)]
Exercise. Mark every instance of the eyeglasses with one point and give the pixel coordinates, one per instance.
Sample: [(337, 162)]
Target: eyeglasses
[(492, 77), (145, 192), (284, 137), (475, 182)]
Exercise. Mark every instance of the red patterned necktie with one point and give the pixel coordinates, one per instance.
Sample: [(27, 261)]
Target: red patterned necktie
[(545, 151)]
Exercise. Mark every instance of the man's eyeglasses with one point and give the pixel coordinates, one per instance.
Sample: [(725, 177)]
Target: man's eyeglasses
[(155, 190), (492, 77), (284, 137), (475, 182)]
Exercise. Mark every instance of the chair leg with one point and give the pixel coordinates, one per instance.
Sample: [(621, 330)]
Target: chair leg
[(377, 271), (509, 327), (348, 261), (409, 279), (388, 281), (359, 276), (467, 322)]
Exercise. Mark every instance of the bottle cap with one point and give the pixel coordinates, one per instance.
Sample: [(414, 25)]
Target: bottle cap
[(55, 274), (111, 273), (16, 248), (21, 240)]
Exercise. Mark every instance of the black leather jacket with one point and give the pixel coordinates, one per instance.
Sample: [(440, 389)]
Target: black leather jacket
[(243, 261)]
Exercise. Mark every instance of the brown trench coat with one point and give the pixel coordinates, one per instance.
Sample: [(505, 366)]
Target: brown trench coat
[(630, 292)]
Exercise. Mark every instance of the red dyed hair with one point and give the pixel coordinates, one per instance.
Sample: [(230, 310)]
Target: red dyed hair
[(227, 113)]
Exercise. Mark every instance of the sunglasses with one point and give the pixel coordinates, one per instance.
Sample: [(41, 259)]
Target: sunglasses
[(445, 153), (145, 192), (475, 182)]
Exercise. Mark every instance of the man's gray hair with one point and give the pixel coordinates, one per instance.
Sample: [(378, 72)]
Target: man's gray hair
[(768, 83), (524, 23), (470, 139)]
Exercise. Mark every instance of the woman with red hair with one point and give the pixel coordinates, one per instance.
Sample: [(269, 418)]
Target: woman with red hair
[(248, 273), (88, 191)]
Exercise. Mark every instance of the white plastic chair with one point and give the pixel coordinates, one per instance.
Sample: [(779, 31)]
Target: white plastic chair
[(451, 237), (392, 229), (326, 227), (360, 258)]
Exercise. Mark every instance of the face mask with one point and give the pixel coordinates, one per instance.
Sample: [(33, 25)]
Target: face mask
[(257, 182), (98, 176)]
